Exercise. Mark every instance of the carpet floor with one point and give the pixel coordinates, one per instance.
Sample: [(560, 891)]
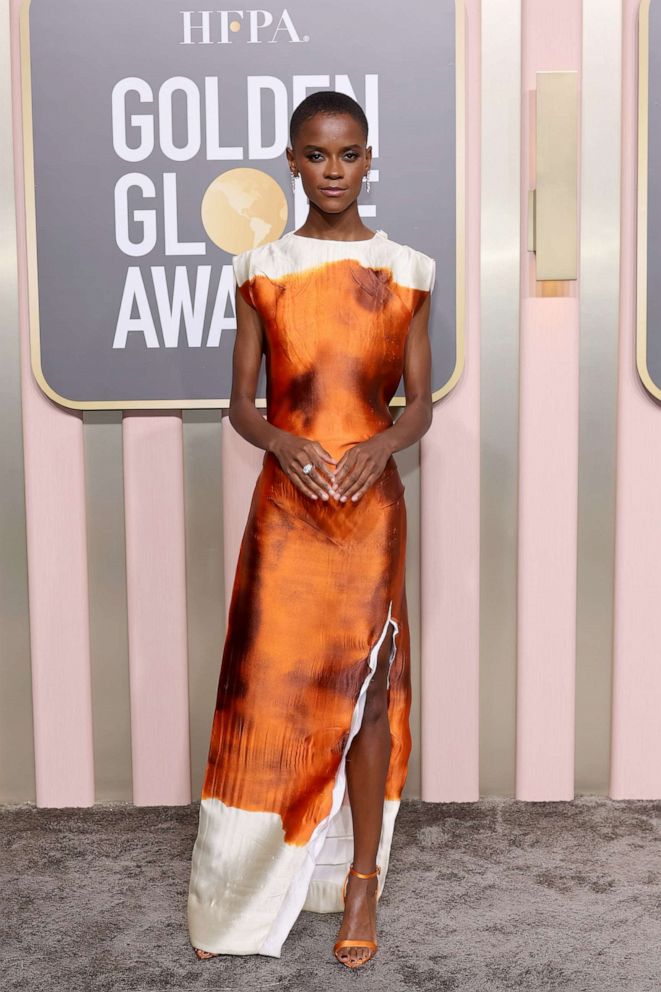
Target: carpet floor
[(480, 897)]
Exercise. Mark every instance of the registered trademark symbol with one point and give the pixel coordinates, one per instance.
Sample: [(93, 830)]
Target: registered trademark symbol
[(306, 37)]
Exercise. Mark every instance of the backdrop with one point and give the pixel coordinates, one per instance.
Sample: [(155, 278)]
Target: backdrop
[(533, 499)]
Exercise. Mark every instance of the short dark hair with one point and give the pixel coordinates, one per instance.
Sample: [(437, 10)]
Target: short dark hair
[(325, 102)]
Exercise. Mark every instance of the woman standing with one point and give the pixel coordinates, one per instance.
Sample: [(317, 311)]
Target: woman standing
[(314, 693)]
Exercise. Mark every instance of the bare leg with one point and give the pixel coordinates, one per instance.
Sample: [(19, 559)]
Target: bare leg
[(367, 766)]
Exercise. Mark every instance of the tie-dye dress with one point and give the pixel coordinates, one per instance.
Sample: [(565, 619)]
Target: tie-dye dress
[(317, 585)]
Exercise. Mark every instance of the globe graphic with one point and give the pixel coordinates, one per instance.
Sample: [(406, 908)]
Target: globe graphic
[(243, 208)]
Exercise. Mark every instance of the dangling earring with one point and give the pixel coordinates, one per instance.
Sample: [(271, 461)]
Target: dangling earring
[(367, 184), (293, 182)]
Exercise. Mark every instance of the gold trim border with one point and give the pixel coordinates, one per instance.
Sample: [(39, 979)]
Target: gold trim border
[(641, 218), (31, 246)]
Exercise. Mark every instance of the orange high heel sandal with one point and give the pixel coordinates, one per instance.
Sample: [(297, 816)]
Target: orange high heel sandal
[(371, 944)]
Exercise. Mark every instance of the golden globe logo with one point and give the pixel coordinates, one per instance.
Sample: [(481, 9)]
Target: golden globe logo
[(243, 208), (223, 27)]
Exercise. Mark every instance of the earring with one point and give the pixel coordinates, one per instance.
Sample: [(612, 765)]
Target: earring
[(293, 182), (367, 185)]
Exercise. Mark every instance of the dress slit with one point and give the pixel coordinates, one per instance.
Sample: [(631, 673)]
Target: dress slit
[(317, 885), (275, 832)]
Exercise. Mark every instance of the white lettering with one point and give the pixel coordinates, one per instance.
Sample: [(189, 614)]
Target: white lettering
[(173, 246), (219, 322), (189, 27), (146, 218), (301, 85), (256, 26), (277, 113), (225, 33), (173, 310), (143, 122), (285, 24), (228, 23), (191, 118), (134, 292), (200, 109)]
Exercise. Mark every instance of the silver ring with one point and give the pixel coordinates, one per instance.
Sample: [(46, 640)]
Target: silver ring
[(308, 468)]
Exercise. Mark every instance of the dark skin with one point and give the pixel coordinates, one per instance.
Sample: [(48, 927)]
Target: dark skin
[(330, 150)]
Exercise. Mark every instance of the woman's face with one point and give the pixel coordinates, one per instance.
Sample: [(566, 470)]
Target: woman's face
[(330, 153)]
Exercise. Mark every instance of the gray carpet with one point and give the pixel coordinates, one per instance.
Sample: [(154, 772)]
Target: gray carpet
[(494, 895)]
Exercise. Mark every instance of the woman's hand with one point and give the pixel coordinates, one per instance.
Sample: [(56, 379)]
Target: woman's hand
[(360, 466), (293, 452)]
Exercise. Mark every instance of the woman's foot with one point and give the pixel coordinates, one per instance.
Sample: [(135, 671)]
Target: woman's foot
[(203, 955), (359, 918)]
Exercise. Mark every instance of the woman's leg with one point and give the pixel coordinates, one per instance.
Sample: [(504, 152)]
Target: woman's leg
[(367, 766)]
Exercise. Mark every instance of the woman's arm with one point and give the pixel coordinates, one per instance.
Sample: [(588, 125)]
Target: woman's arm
[(415, 420), (246, 362), (292, 451)]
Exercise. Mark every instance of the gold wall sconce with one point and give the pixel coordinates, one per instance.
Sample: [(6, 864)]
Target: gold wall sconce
[(552, 205)]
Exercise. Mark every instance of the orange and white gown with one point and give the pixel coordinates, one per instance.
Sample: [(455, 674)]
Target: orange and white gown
[(317, 584)]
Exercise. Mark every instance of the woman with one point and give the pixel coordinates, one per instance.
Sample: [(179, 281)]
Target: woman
[(314, 692)]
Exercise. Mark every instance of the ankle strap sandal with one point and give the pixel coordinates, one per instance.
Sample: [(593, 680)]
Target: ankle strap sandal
[(353, 942), (360, 874)]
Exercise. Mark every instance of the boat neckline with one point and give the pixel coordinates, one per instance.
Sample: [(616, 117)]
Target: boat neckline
[(337, 241)]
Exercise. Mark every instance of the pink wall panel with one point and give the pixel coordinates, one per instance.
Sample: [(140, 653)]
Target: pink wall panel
[(156, 589), (57, 553), (548, 463), (636, 726), (548, 457), (548, 485), (450, 521)]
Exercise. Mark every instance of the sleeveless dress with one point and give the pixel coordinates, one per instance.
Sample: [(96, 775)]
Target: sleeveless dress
[(317, 585)]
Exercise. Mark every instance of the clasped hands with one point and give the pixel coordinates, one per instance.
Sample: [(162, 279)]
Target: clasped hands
[(358, 468)]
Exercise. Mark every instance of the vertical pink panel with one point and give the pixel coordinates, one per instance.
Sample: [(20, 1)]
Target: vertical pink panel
[(548, 459), (57, 555), (242, 463), (636, 726), (450, 519), (156, 587), (548, 487)]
